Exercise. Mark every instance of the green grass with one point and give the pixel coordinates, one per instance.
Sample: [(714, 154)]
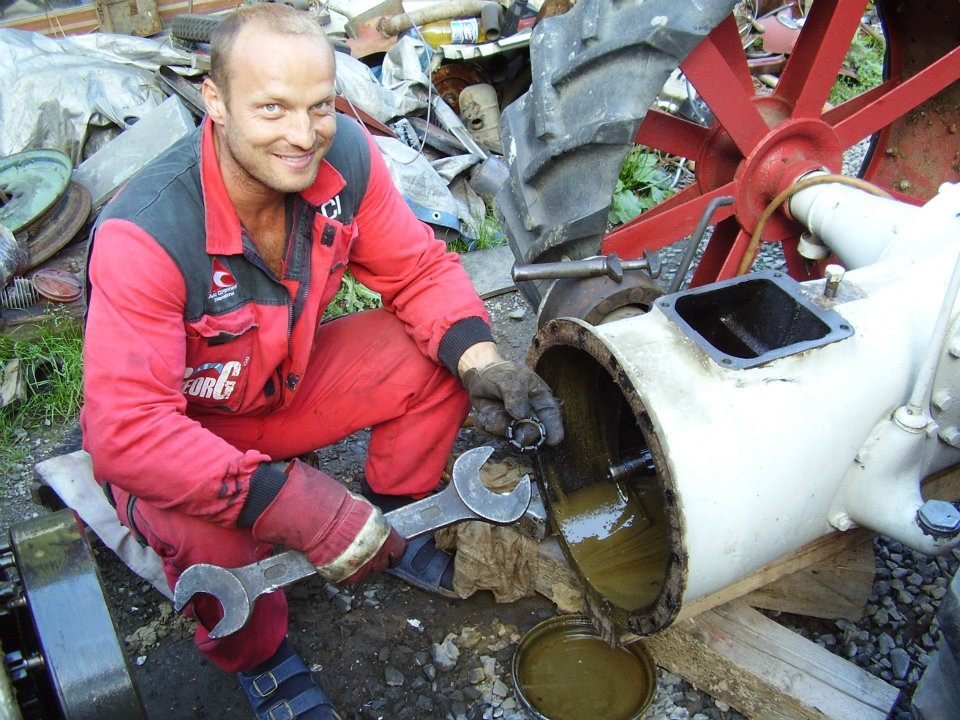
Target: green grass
[(864, 62), (51, 363), (487, 234)]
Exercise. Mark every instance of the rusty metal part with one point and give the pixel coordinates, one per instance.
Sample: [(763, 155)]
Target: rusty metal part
[(31, 182), (606, 423), (51, 232), (77, 649), (57, 285), (598, 299), (451, 78), (610, 265), (761, 142), (372, 124)]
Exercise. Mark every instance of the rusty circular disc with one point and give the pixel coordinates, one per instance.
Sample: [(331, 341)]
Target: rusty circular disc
[(56, 284), (58, 226), (450, 79)]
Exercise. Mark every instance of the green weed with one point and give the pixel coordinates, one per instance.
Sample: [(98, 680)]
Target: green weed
[(351, 297), (864, 63), (643, 183), (51, 364)]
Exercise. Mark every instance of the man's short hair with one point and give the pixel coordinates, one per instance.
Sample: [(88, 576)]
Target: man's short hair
[(271, 16)]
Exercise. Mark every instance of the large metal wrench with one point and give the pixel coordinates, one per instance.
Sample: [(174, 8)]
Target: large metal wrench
[(464, 498)]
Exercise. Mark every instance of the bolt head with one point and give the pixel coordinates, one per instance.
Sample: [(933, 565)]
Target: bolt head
[(950, 435), (939, 518)]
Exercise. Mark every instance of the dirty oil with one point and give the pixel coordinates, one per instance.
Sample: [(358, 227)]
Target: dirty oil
[(570, 675), (618, 543)]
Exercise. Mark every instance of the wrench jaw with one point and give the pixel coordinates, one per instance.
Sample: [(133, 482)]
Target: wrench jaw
[(221, 584), (491, 507)]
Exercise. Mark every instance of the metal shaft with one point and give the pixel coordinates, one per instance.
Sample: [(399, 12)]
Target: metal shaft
[(609, 265)]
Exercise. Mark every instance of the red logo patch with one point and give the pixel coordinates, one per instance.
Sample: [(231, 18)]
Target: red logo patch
[(222, 278)]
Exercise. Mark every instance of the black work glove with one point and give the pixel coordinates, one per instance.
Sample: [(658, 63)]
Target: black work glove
[(505, 391)]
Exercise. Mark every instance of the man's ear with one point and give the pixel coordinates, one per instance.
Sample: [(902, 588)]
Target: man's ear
[(214, 100)]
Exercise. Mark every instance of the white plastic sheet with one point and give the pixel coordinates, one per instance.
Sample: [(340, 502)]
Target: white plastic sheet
[(54, 90)]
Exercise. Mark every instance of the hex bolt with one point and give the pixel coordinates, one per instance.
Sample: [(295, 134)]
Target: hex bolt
[(942, 400), (939, 518), (834, 276), (950, 435)]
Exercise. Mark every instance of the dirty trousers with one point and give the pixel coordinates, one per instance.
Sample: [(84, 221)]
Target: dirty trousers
[(367, 372)]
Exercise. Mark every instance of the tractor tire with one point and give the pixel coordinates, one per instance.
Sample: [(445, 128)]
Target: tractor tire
[(194, 28), (595, 72)]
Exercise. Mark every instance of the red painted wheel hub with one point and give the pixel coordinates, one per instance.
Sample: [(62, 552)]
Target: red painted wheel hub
[(760, 143)]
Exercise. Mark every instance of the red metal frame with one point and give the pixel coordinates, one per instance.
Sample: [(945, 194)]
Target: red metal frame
[(761, 143)]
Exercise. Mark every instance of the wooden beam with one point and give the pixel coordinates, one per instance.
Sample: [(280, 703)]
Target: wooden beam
[(838, 587), (817, 551), (764, 670)]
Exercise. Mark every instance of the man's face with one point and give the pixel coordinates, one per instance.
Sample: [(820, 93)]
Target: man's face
[(278, 120)]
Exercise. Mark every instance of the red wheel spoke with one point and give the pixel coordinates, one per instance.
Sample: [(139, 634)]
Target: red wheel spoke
[(674, 135), (722, 79), (722, 255), (668, 222), (816, 58), (882, 109)]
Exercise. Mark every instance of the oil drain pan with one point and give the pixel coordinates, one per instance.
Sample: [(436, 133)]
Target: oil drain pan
[(564, 670)]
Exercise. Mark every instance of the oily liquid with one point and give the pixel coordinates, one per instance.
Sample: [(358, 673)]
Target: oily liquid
[(574, 676), (618, 544)]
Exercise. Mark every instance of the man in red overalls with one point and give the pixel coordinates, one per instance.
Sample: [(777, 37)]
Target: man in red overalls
[(207, 366)]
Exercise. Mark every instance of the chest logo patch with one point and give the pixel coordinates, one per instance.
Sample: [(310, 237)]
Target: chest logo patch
[(212, 380), (222, 284)]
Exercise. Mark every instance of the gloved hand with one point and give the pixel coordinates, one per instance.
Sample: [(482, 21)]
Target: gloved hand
[(506, 391), (342, 534)]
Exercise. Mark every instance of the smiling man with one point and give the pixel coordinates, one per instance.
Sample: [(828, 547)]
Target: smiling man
[(208, 369)]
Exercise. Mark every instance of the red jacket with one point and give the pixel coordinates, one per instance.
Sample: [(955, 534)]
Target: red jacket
[(182, 321)]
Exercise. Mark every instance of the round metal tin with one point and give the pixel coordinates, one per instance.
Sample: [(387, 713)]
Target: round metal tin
[(563, 670), (31, 182), (56, 284)]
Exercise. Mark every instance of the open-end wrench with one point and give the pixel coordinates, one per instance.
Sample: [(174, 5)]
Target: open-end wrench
[(464, 498)]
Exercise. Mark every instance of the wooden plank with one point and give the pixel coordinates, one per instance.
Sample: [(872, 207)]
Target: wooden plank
[(766, 671), (817, 551), (838, 587)]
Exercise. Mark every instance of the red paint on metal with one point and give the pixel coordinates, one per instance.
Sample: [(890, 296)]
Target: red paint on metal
[(761, 143)]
